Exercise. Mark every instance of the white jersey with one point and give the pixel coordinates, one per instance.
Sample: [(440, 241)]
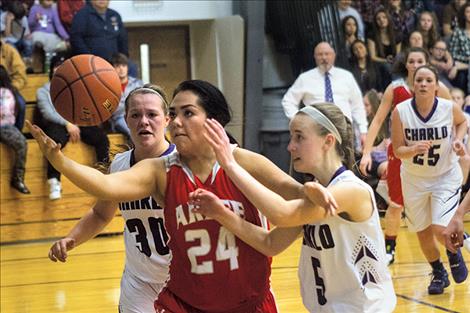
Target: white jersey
[(145, 237), (436, 127), (342, 263)]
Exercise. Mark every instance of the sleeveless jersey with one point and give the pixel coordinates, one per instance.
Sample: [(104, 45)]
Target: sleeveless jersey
[(401, 92), (145, 238), (342, 263), (211, 269), (436, 127)]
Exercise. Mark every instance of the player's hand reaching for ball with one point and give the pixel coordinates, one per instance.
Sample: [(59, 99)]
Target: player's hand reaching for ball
[(58, 251), (217, 137), (49, 147), (319, 195)]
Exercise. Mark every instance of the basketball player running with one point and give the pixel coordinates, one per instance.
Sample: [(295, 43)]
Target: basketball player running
[(399, 90), (342, 263), (423, 138), (145, 238), (211, 270)]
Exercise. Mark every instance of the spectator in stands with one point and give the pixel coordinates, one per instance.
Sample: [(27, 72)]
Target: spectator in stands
[(61, 131), (99, 30), (383, 46), (327, 83), (378, 167), (47, 30), (443, 62), (415, 40), (449, 19), (15, 29), (350, 32), (67, 10), (403, 20), (428, 27), (459, 47), (9, 134), (128, 83), (345, 9), (368, 74), (366, 9), (16, 69)]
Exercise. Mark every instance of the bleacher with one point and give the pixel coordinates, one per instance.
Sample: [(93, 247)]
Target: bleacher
[(34, 216)]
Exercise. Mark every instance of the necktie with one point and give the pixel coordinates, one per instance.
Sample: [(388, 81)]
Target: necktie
[(328, 91)]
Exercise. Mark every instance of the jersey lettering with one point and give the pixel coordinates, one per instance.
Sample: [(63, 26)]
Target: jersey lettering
[(433, 133), (142, 204), (319, 282), (432, 158), (318, 237)]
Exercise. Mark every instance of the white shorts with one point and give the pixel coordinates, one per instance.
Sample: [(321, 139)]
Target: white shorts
[(431, 200), (137, 296)]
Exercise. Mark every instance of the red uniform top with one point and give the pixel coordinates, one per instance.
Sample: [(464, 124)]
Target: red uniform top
[(401, 92), (211, 269)]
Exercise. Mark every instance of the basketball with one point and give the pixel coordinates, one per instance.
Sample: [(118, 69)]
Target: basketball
[(85, 90)]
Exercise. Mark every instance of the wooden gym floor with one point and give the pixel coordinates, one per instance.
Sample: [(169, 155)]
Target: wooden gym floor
[(89, 281)]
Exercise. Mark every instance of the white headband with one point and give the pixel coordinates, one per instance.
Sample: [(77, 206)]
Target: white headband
[(321, 119), (149, 90)]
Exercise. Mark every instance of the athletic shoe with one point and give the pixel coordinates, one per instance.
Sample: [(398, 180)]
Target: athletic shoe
[(54, 188), (390, 253), (466, 242), (457, 266), (439, 281)]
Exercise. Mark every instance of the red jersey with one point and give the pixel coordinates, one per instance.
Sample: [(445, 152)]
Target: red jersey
[(401, 92), (211, 269)]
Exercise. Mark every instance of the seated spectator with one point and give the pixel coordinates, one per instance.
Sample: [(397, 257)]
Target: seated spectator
[(428, 27), (16, 69), (46, 28), (128, 83), (61, 131), (459, 46), (350, 32), (449, 18), (15, 29), (415, 40), (368, 74), (345, 9), (366, 9), (9, 134), (379, 150), (383, 47), (67, 10), (403, 20), (443, 62)]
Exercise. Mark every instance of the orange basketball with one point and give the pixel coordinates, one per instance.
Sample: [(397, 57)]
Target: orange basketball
[(85, 90)]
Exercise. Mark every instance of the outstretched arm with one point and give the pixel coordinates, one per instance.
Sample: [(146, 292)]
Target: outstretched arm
[(278, 210), (87, 228), (268, 242), (138, 182)]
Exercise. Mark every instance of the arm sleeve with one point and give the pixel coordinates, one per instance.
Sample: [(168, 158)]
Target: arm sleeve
[(46, 108), (358, 111), (32, 21), (456, 44), (122, 39), (77, 34), (17, 71), (58, 25), (293, 97)]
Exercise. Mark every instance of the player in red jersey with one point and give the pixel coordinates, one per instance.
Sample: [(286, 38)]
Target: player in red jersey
[(398, 91), (211, 270)]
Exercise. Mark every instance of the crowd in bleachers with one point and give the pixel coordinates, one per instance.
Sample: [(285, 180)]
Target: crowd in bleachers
[(37, 36)]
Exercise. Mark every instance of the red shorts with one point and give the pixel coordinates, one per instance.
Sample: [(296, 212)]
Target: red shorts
[(168, 302), (393, 177)]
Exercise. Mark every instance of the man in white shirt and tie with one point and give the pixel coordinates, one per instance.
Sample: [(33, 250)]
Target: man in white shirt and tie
[(328, 83)]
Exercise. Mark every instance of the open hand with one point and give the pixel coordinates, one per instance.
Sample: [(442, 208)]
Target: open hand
[(217, 137), (206, 203)]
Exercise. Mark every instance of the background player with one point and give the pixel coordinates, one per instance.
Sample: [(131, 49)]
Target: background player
[(204, 254), (399, 90), (423, 138), (145, 238), (342, 264)]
